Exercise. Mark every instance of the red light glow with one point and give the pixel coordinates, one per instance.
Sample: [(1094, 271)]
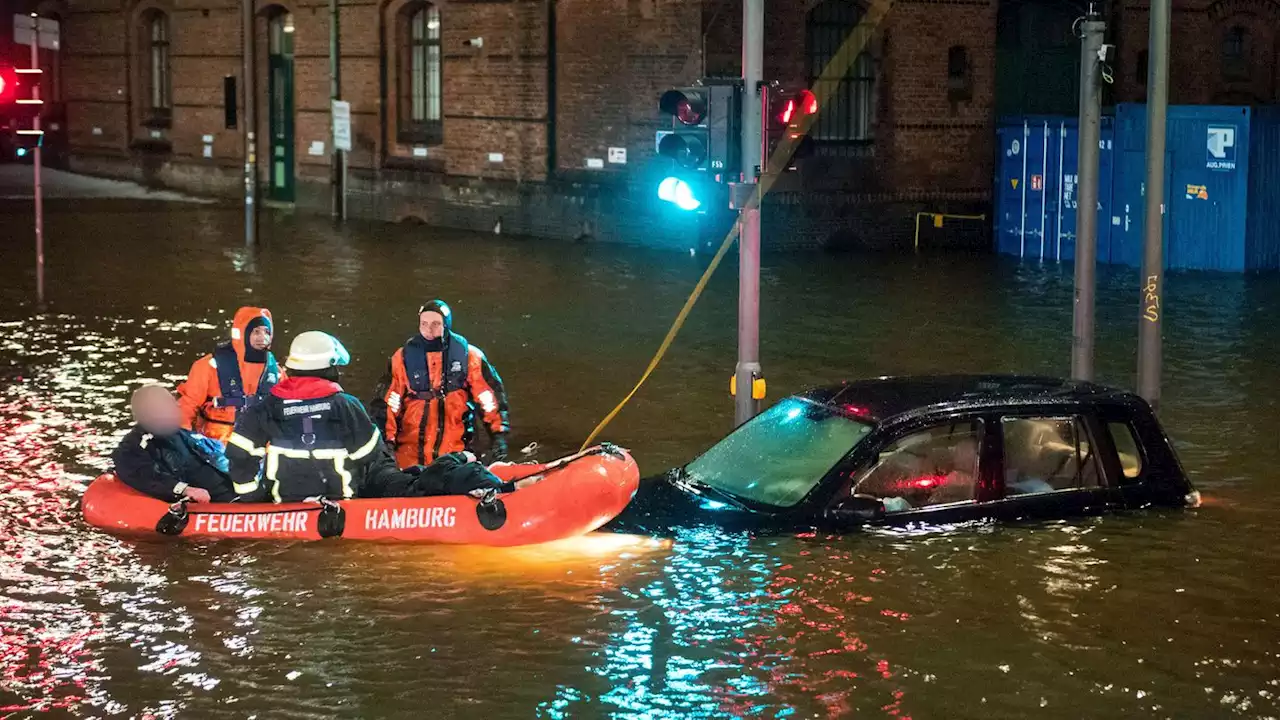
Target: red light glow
[(809, 102), (857, 411), (926, 482), (787, 112)]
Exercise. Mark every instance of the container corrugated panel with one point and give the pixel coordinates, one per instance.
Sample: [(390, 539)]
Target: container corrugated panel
[(1262, 239), (1206, 186), (1036, 187)]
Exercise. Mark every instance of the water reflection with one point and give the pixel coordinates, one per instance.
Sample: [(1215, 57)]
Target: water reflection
[(1160, 615)]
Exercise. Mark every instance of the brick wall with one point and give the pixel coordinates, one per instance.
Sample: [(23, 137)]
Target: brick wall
[(610, 60)]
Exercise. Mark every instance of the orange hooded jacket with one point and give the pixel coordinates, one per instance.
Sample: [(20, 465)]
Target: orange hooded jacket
[(212, 397)]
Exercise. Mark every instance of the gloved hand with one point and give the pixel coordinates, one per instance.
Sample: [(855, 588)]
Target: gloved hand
[(498, 448)]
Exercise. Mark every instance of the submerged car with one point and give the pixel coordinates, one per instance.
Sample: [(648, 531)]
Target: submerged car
[(928, 450)]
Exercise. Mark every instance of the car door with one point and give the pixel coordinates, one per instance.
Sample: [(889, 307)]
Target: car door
[(1050, 465), (931, 471)]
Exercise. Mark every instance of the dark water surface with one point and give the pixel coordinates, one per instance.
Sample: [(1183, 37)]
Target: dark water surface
[(1151, 615)]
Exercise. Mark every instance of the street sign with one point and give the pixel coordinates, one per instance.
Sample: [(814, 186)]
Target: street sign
[(342, 125), (49, 31)]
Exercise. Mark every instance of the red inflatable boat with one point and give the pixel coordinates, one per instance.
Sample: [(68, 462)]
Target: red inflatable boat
[(575, 495)]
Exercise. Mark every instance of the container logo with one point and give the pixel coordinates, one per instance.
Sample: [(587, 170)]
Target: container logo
[(1222, 147)]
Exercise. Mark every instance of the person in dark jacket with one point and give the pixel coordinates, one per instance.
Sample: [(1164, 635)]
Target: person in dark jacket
[(310, 439), (161, 459)]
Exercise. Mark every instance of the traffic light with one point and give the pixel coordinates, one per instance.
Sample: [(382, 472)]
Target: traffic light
[(702, 143), (20, 103), (791, 114)]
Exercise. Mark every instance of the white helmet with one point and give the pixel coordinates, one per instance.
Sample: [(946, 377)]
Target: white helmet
[(315, 350)]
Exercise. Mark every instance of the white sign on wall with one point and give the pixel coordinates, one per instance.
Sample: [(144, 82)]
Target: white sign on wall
[(342, 125)]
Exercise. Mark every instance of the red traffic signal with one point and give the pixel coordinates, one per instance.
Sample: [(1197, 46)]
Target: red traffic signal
[(790, 106), (689, 108), (20, 91)]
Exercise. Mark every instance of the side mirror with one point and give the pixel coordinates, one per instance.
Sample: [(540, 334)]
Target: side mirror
[(863, 508)]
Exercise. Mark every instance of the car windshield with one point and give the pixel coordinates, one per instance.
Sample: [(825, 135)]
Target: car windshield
[(778, 457)]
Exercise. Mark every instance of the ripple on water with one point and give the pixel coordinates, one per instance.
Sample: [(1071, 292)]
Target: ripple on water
[(1146, 615)]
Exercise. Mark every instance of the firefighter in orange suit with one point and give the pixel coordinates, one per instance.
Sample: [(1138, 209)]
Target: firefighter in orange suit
[(234, 376), (435, 386)]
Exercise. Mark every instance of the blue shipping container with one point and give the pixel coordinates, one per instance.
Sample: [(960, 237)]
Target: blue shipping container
[(1036, 188), (1222, 187)]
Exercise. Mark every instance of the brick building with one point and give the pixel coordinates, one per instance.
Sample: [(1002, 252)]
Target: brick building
[(471, 113)]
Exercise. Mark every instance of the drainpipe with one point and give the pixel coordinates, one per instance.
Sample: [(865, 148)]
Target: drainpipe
[(551, 89)]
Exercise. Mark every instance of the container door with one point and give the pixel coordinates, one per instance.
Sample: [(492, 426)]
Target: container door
[(1011, 194), (1108, 219), (1067, 183), (1207, 194), (1041, 219), (1129, 201), (1067, 179)]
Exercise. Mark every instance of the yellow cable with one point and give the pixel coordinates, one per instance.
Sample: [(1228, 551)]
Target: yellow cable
[(822, 89), (671, 334)]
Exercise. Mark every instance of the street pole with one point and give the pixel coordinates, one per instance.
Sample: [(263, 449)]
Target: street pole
[(35, 163), (749, 369), (1082, 343), (250, 123), (337, 161), (1151, 312)]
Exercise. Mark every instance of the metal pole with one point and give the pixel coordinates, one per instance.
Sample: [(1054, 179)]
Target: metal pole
[(1082, 343), (337, 161), (1151, 312), (748, 369), (250, 124), (36, 160)]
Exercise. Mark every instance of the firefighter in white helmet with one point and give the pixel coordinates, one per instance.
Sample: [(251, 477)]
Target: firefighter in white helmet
[(310, 439)]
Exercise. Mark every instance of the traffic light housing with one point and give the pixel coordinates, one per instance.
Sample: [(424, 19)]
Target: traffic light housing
[(703, 142), (20, 104), (792, 111), (20, 92), (689, 139)]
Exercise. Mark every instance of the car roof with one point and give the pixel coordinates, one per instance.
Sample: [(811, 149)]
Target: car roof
[(886, 398)]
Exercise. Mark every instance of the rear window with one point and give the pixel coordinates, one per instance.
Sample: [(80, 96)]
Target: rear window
[(1127, 447)]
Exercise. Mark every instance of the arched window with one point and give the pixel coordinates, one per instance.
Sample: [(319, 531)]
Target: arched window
[(1235, 54), (157, 89), (849, 116), (419, 79)]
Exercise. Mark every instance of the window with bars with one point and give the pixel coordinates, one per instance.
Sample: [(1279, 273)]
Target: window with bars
[(420, 95), (1235, 54), (159, 105), (848, 118)]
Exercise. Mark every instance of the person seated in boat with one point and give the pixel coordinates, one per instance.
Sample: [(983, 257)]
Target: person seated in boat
[(237, 374), (166, 461), (310, 439), (426, 404)]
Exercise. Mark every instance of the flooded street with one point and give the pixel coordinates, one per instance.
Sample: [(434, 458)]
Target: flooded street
[(1161, 615)]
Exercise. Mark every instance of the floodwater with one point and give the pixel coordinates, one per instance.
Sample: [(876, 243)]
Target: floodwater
[(1156, 615)]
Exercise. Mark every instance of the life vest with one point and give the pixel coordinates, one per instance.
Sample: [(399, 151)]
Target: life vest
[(231, 385), (453, 369), (168, 460)]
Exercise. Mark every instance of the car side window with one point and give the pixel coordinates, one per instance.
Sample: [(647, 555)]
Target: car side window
[(937, 466), (1127, 447), (1045, 455)]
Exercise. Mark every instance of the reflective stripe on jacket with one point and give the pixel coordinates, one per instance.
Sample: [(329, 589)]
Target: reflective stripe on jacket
[(292, 449)]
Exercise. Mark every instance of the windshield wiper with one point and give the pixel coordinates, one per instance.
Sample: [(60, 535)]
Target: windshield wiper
[(680, 478)]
